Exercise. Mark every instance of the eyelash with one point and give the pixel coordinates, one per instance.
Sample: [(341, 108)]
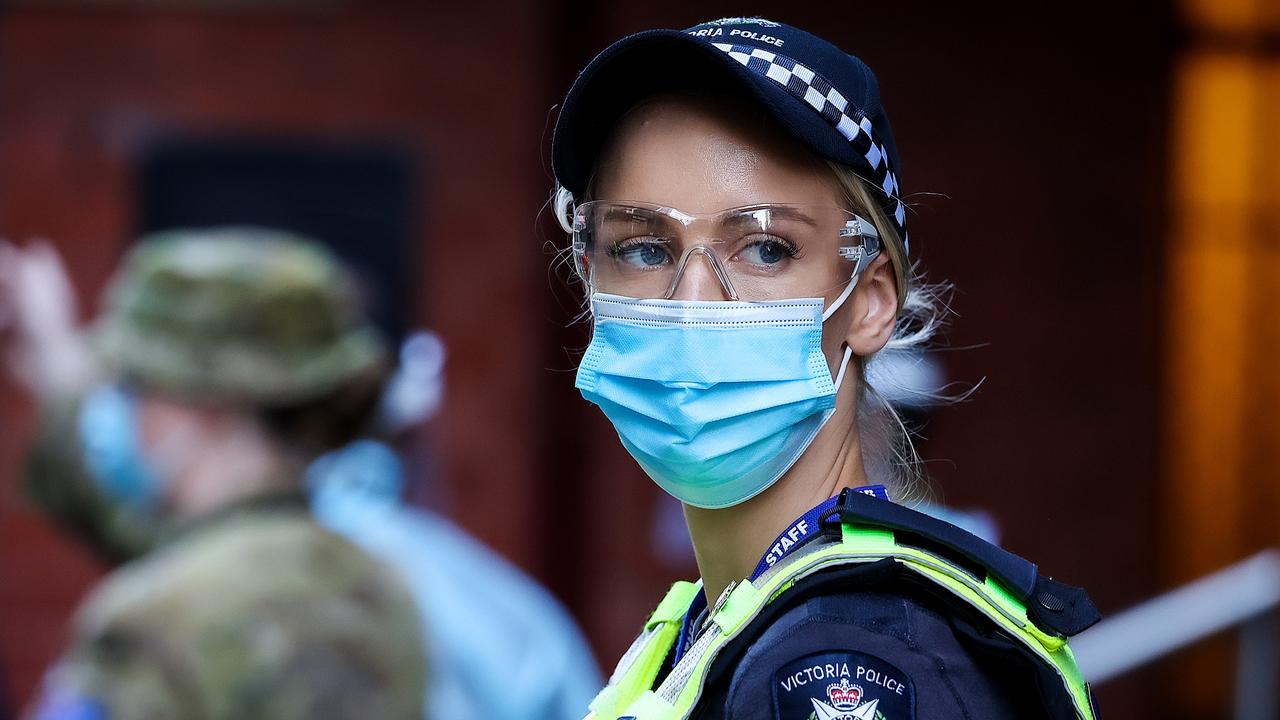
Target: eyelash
[(617, 248), (787, 246)]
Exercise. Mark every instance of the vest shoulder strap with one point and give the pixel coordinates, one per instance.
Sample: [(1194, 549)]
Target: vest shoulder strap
[(1057, 608), (639, 666)]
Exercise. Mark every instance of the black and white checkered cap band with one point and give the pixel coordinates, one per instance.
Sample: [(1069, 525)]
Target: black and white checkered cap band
[(819, 94)]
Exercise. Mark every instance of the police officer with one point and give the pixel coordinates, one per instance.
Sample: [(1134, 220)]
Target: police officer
[(733, 199), (243, 355)]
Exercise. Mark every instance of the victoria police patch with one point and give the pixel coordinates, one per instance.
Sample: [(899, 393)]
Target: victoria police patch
[(841, 685)]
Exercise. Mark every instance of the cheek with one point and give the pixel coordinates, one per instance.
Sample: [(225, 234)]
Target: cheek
[(835, 333), (157, 419)]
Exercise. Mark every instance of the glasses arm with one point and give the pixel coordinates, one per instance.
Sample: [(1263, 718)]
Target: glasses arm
[(865, 251)]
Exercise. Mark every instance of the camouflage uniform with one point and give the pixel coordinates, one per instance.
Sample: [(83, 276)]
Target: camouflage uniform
[(255, 614), (253, 611), (56, 480)]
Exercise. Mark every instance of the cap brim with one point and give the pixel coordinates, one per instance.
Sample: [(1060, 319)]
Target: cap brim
[(656, 61)]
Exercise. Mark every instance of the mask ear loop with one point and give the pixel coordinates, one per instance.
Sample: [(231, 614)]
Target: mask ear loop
[(833, 307), (844, 364)]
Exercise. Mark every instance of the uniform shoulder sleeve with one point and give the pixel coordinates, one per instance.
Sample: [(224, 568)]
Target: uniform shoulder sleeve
[(57, 481), (310, 628), (861, 656)]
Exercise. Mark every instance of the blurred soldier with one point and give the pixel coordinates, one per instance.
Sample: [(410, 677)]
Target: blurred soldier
[(498, 643), (242, 356)]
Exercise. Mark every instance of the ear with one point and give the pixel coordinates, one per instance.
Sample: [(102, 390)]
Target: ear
[(874, 305)]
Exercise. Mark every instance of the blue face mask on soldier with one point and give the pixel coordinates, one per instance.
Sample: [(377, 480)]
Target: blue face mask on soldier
[(109, 433), (108, 425)]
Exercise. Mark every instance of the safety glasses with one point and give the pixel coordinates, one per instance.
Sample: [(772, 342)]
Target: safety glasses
[(756, 252)]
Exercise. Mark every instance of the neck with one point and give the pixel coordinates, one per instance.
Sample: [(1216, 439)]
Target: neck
[(728, 542), (238, 467)]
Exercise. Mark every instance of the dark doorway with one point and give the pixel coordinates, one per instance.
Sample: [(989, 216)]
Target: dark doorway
[(356, 198)]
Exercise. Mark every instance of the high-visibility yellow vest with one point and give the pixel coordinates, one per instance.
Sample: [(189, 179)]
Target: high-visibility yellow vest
[(630, 692)]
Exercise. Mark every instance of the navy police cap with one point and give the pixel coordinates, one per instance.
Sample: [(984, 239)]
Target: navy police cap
[(828, 100)]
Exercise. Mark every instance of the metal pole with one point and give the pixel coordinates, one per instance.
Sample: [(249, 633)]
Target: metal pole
[(1221, 601), (1258, 669)]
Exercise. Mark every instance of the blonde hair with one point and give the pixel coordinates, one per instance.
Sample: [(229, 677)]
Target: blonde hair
[(889, 454)]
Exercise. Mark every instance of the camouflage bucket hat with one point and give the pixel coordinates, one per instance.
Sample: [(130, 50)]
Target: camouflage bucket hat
[(243, 314)]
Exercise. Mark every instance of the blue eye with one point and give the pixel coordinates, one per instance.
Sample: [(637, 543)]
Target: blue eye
[(641, 252), (768, 251)]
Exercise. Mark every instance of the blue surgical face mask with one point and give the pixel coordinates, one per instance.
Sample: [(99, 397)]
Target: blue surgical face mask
[(715, 400), (108, 425)]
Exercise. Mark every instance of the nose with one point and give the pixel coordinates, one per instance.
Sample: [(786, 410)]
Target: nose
[(700, 277)]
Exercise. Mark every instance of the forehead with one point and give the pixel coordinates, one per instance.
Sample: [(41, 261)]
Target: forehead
[(703, 155)]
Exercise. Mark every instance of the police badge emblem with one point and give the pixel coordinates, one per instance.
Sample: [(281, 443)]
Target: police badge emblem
[(842, 686)]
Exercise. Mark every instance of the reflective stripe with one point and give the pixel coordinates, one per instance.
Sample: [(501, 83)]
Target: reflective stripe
[(681, 689), (678, 679), (674, 604), (639, 665)]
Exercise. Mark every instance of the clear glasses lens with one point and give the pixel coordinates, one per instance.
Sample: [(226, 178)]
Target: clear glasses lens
[(764, 252)]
